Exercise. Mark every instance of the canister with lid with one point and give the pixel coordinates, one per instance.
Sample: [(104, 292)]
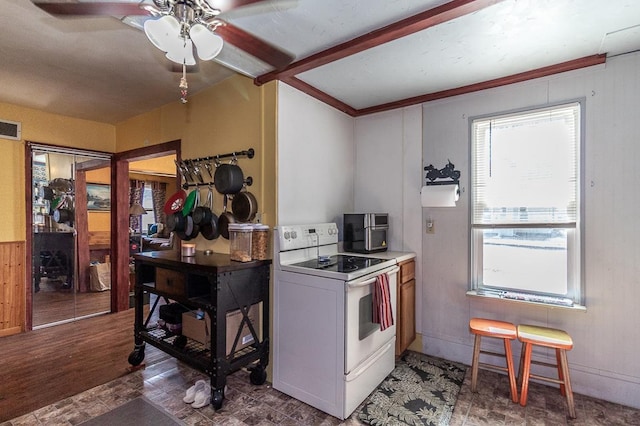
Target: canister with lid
[(259, 241), (240, 241)]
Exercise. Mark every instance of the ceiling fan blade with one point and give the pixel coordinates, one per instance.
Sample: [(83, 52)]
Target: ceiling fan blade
[(227, 5), (254, 46), (105, 8)]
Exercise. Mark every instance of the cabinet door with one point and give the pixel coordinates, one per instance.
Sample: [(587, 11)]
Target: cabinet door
[(406, 329), (407, 271)]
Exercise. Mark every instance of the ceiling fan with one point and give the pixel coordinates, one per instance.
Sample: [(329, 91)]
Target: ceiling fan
[(176, 26)]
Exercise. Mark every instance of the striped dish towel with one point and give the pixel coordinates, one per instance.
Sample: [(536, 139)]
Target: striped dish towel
[(382, 310)]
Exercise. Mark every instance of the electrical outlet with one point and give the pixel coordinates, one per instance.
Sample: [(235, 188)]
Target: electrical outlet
[(431, 226)]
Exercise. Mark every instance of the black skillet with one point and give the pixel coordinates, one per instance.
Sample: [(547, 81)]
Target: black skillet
[(225, 219), (209, 222)]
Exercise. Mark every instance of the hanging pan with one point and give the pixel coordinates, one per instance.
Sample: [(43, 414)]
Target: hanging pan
[(202, 213), (63, 215), (191, 229), (204, 217), (61, 185), (244, 206), (228, 178), (225, 219), (176, 222)]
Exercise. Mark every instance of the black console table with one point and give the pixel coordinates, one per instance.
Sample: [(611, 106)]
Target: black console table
[(217, 286)]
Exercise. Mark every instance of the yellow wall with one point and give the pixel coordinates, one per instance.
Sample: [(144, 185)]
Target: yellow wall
[(233, 115), (38, 126), (164, 165)]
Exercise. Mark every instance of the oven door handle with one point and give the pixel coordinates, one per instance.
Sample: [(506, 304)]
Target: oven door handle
[(368, 281)]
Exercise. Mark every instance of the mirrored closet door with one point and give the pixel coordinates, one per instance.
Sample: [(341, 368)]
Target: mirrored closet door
[(70, 251)]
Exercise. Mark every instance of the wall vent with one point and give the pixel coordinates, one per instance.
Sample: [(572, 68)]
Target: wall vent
[(10, 130)]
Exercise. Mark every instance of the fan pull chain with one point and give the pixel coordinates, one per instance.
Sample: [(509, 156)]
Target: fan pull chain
[(183, 84)]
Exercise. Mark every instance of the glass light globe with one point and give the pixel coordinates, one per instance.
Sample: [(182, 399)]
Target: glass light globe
[(207, 43), (162, 31)]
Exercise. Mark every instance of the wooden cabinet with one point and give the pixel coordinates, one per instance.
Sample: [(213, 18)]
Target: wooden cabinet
[(406, 309)]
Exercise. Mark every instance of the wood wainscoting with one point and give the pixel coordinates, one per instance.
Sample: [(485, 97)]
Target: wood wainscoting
[(12, 285)]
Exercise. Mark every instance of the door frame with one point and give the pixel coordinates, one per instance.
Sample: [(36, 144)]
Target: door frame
[(119, 219), (120, 215)]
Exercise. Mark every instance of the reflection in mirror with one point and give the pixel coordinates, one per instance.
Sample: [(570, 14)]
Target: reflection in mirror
[(62, 253)]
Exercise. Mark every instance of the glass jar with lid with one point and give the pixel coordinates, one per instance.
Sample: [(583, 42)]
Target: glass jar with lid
[(240, 241), (259, 241)]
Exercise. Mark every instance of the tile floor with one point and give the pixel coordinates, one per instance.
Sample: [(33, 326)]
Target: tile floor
[(246, 404)]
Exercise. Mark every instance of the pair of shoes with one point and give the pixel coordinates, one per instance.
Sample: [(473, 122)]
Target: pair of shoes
[(190, 396), (202, 398)]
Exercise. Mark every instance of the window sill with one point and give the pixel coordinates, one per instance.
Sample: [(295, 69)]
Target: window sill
[(574, 307)]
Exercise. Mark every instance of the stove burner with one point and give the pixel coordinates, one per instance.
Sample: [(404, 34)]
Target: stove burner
[(340, 263)]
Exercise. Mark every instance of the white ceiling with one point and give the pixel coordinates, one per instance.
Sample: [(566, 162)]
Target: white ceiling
[(101, 69)]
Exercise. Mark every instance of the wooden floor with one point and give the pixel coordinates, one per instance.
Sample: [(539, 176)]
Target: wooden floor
[(53, 303), (44, 366)]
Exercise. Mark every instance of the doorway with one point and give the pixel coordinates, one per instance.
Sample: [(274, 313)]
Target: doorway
[(70, 234)]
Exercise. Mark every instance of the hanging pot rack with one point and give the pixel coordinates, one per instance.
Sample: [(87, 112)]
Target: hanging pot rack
[(192, 170)]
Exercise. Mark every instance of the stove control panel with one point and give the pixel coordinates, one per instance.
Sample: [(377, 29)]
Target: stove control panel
[(304, 236)]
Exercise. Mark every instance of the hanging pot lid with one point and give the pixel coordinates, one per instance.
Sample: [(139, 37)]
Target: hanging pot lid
[(190, 203), (58, 202), (175, 202)]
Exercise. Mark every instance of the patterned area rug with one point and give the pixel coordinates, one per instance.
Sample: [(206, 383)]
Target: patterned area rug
[(421, 390)]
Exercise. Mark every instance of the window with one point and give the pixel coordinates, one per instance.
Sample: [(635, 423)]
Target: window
[(525, 218), (147, 203)]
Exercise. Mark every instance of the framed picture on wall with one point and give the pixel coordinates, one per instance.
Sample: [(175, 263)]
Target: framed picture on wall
[(98, 197)]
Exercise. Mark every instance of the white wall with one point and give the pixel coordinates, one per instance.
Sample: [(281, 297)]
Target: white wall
[(316, 158), (389, 176), (604, 360)]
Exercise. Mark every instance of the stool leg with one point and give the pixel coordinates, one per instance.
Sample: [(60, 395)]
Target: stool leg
[(512, 374), (567, 383), (525, 371), (474, 363), (521, 366), (560, 372)]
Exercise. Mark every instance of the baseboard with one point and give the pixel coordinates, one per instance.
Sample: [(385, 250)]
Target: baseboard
[(10, 331), (416, 345), (584, 380)]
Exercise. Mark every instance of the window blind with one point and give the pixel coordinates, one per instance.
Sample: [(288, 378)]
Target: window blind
[(526, 168)]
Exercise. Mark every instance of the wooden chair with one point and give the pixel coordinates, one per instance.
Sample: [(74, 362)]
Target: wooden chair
[(498, 330), (559, 340)]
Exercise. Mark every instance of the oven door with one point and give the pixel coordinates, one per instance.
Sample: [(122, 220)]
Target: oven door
[(363, 337)]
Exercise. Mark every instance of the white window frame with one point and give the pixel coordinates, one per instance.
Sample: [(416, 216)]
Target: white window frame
[(574, 229)]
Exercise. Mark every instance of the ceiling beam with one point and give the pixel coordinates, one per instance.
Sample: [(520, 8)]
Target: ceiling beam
[(575, 64), (254, 46), (320, 95), (429, 18)]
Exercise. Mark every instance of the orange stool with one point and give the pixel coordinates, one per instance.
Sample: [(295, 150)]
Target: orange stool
[(559, 340), (499, 330)]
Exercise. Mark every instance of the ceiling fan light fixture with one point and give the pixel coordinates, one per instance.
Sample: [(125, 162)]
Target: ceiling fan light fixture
[(181, 52), (162, 32), (207, 43)]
